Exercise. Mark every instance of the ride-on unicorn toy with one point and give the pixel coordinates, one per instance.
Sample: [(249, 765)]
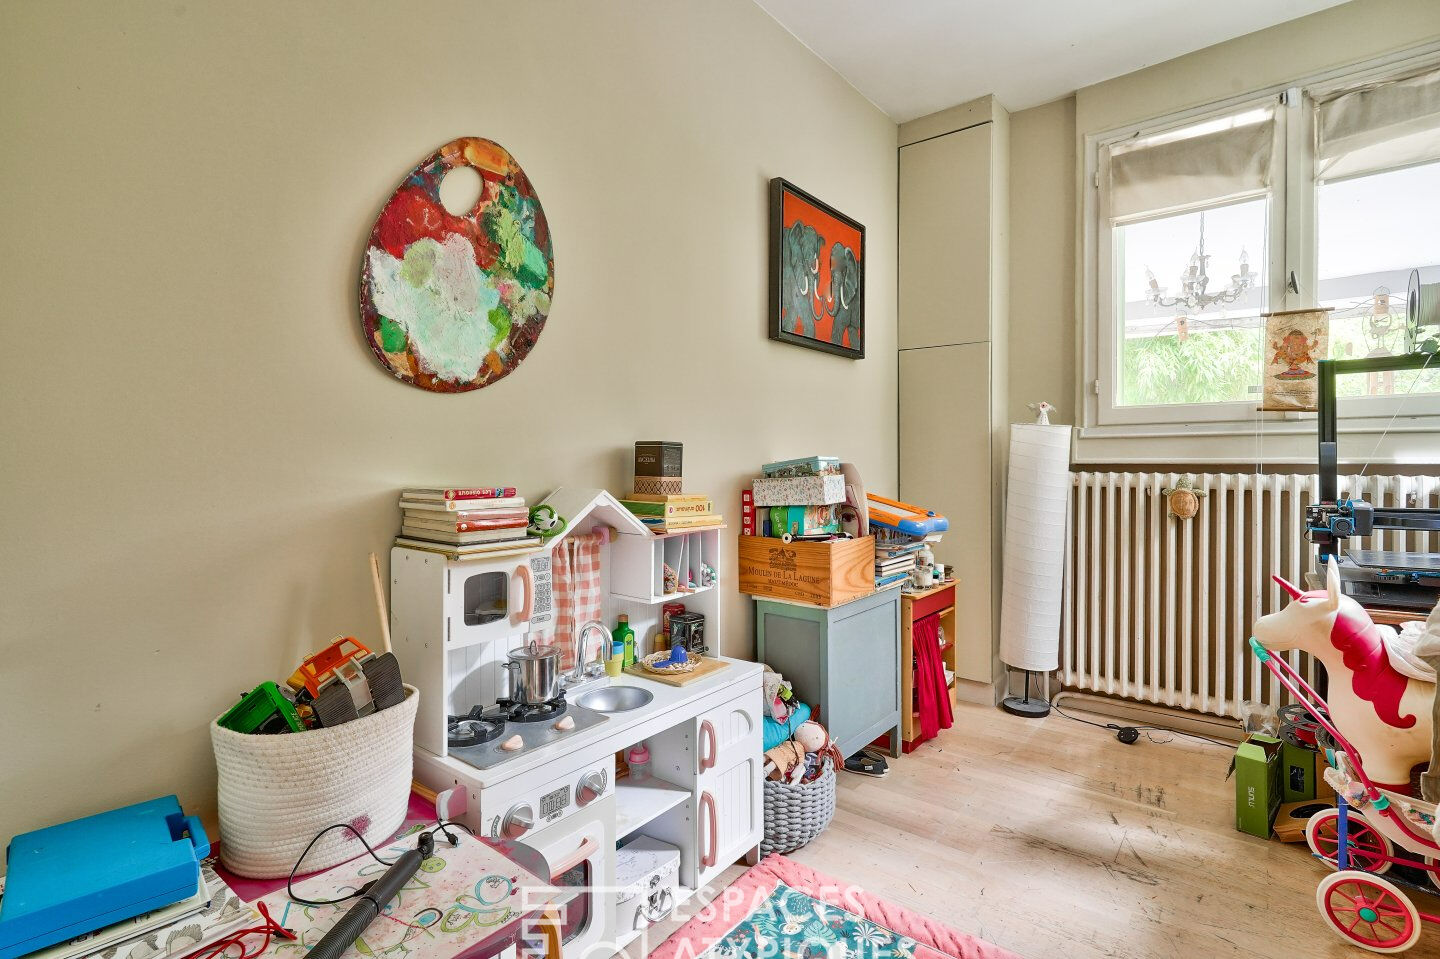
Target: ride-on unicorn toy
[(1384, 712)]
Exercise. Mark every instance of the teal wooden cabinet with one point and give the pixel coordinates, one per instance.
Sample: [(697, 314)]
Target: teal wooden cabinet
[(843, 661)]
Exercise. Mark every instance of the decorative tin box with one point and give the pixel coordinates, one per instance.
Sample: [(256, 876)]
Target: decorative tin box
[(659, 485), (658, 458), (688, 630), (805, 466), (800, 490)]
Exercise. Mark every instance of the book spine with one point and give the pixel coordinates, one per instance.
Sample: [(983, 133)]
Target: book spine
[(481, 492), (506, 503), (641, 508), (468, 526), (747, 512)]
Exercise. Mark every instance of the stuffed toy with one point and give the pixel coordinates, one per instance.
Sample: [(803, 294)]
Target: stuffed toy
[(785, 763), (777, 695), (801, 758)]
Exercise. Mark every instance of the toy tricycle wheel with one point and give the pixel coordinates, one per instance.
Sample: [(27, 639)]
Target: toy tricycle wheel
[(1368, 910), (1365, 847)]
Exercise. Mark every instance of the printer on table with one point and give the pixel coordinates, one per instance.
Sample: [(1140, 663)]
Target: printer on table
[(68, 880)]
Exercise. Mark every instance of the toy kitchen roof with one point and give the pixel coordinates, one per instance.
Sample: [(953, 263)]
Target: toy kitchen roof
[(585, 510)]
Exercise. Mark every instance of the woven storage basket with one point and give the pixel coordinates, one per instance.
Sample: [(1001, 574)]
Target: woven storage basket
[(794, 815), (278, 791)]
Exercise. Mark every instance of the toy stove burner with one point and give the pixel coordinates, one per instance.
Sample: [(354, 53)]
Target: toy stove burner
[(473, 728), (509, 711)]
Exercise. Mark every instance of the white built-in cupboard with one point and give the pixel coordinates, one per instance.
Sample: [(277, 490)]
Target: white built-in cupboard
[(952, 320)]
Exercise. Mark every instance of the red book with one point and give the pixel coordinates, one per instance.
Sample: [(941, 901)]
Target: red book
[(484, 492), (443, 493), (747, 512)]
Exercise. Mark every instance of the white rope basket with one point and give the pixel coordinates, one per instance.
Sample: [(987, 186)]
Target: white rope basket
[(278, 791)]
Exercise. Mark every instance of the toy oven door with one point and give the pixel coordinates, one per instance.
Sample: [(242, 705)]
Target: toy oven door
[(576, 854), (488, 600)]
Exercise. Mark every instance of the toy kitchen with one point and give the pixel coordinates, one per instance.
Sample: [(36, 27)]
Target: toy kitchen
[(520, 722)]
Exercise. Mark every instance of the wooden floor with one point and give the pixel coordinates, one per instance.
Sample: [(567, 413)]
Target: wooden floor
[(1052, 839)]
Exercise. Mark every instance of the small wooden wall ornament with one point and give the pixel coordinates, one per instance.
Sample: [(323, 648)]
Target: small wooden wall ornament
[(1183, 499)]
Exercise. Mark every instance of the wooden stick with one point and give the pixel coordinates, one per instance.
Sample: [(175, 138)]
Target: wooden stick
[(380, 602)]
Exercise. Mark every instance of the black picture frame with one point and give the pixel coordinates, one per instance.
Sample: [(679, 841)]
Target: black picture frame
[(779, 188)]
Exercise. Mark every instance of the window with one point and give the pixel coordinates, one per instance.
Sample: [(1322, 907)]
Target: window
[(1322, 194)]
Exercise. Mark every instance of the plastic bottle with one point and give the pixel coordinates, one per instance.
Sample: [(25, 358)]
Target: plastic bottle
[(625, 636), (638, 759)]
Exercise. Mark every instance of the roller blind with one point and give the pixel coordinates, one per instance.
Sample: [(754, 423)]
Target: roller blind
[(1207, 163), (1379, 126)]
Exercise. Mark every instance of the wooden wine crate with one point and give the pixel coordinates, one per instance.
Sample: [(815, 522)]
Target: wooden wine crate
[(823, 574)]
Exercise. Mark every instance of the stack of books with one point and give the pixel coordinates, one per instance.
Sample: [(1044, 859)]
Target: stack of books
[(462, 519), (894, 561), (674, 512)]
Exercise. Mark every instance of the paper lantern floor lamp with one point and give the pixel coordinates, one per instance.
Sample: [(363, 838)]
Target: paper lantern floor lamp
[(1036, 521)]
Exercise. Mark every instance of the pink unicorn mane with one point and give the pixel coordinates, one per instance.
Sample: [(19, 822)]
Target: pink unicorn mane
[(1372, 677)]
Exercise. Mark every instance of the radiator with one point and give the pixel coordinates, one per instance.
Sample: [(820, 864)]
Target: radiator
[(1159, 609)]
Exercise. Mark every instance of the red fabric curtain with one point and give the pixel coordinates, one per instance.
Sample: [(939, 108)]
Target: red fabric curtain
[(932, 693)]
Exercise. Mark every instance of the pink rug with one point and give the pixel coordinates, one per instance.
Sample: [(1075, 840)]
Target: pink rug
[(781, 908)]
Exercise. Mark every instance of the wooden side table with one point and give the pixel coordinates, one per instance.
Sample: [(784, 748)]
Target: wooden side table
[(916, 606)]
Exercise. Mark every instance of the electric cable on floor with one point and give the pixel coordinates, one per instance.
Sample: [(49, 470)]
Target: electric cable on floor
[(1119, 731)]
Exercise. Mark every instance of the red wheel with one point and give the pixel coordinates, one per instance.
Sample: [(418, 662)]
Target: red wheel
[(1368, 911), (1366, 849)]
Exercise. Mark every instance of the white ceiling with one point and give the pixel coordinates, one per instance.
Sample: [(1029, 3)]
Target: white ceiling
[(913, 57)]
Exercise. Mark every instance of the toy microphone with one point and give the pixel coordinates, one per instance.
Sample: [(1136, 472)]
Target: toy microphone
[(373, 900)]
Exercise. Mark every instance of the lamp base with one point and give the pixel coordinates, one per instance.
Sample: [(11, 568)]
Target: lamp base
[(1025, 706)]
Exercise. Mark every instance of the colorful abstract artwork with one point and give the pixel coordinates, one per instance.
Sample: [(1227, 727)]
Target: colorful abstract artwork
[(817, 273), (449, 302)]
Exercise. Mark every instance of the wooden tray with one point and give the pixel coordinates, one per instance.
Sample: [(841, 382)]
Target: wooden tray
[(706, 668)]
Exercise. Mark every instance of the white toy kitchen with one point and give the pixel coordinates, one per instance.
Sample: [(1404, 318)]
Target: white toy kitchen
[(522, 749)]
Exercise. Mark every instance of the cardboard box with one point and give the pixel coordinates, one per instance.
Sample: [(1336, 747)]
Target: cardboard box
[(1303, 773), (1258, 786), (658, 458), (821, 574), (1292, 817), (804, 520)]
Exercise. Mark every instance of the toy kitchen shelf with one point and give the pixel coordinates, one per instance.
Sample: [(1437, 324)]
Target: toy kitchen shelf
[(639, 573), (638, 803)]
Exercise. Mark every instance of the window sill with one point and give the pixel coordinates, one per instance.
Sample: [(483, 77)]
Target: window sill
[(1410, 440)]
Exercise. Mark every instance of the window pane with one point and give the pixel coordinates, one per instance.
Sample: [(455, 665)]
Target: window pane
[(1373, 230), (1191, 333)]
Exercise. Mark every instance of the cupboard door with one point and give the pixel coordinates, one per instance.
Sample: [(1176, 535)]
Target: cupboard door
[(729, 819), (730, 733), (945, 466), (945, 239)]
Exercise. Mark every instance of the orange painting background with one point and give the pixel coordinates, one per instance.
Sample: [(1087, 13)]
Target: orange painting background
[(793, 209)]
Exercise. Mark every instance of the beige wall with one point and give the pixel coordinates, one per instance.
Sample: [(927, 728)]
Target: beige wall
[(1042, 260), (1047, 144), (199, 449)]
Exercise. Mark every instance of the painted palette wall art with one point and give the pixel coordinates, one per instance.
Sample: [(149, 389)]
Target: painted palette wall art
[(817, 273), (453, 302)]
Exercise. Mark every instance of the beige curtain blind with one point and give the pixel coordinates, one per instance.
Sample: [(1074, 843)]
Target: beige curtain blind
[(1377, 127), (1200, 165)]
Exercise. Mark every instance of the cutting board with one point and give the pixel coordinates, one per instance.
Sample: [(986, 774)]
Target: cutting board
[(706, 668)]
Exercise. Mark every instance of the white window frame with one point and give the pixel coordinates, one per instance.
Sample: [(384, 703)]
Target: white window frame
[(1292, 248)]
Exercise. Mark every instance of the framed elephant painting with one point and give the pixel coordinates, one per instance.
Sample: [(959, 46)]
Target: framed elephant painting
[(817, 273)]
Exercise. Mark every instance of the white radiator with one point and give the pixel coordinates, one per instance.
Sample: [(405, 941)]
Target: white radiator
[(1160, 609)]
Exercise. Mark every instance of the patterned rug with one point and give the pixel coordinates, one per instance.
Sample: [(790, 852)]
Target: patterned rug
[(784, 910)]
